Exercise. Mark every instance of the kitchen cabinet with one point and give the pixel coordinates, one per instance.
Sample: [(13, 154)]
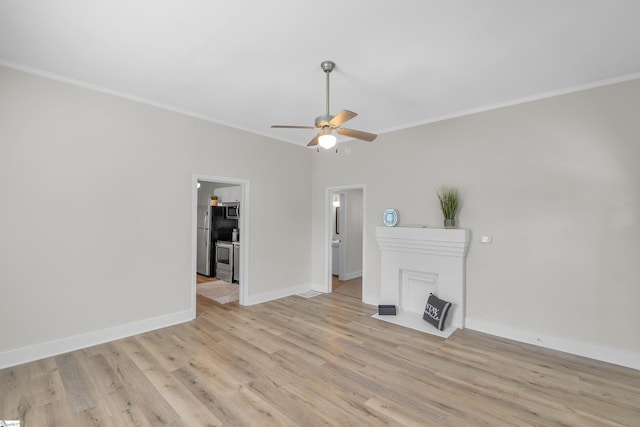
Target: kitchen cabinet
[(221, 193), (234, 193), (228, 194)]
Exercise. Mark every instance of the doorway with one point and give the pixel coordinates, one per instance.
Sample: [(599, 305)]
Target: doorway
[(200, 198), (345, 240)]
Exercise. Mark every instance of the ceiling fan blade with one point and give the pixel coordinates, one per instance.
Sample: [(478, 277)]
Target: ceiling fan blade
[(291, 127), (314, 141), (342, 117), (357, 134)]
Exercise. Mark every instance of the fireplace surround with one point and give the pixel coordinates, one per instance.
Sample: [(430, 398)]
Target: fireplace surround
[(415, 262)]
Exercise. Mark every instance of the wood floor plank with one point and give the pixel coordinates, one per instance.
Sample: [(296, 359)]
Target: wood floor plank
[(299, 411), (218, 400), (16, 396), (166, 350), (327, 378), (190, 410), (328, 410), (400, 414), (269, 416), (78, 387), (46, 382), (140, 391), (316, 361), (52, 414), (107, 383)]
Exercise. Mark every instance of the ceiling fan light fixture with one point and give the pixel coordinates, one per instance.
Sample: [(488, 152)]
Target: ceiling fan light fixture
[(327, 141)]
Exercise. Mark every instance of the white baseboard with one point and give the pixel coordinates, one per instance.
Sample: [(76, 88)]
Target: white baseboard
[(277, 294), (593, 351), (319, 288), (352, 275), (76, 342)]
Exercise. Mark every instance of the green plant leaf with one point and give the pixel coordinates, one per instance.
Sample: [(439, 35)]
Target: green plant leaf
[(450, 198)]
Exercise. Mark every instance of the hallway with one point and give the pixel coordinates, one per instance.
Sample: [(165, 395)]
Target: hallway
[(351, 288)]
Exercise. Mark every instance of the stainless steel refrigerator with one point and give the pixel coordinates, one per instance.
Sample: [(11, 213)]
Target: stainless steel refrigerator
[(203, 232), (212, 225)]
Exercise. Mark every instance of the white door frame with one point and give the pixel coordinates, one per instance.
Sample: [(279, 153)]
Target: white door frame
[(329, 232), (243, 224), (344, 235)]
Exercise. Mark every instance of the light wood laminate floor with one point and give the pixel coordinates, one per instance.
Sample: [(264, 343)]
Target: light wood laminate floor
[(316, 361), (351, 288), (203, 279)]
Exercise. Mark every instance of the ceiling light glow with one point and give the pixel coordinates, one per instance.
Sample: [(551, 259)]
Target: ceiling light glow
[(327, 141)]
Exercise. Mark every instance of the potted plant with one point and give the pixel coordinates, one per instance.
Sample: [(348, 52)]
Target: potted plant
[(449, 204), (214, 200)]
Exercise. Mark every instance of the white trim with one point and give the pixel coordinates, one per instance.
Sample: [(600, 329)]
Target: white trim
[(416, 322), (194, 243), (243, 224), (86, 85), (344, 237), (277, 294), (76, 342), (352, 275), (328, 258), (510, 103), (593, 351), (489, 107)]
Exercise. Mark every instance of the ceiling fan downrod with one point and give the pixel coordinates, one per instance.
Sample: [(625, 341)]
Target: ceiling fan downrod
[(327, 67)]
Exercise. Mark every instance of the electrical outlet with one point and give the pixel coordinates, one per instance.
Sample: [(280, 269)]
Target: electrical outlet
[(485, 239)]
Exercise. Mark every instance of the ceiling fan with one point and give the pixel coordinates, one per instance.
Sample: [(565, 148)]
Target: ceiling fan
[(328, 123)]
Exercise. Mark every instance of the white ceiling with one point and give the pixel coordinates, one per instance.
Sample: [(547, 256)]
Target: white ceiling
[(251, 64)]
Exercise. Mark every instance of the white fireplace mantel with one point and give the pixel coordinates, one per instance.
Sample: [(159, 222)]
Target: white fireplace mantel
[(419, 261)]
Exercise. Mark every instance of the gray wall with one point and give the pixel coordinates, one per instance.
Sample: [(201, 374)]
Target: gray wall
[(108, 240), (554, 182)]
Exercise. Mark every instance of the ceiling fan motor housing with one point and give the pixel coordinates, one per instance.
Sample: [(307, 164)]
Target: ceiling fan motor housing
[(327, 66), (322, 121)]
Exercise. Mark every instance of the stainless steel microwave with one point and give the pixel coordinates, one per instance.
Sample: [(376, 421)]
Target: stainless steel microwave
[(233, 211)]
